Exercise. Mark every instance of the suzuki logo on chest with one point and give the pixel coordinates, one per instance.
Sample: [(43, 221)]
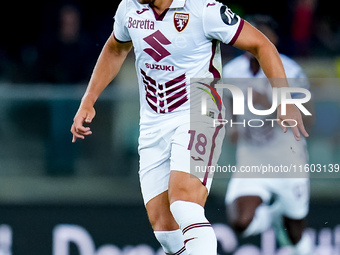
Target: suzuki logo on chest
[(156, 41), (181, 21)]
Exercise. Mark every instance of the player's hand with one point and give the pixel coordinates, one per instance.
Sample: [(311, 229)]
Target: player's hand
[(84, 115), (292, 113)]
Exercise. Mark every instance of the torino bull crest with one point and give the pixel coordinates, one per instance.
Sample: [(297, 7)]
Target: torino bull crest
[(181, 21)]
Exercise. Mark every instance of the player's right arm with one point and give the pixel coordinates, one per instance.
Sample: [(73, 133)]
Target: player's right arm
[(253, 41), (107, 67)]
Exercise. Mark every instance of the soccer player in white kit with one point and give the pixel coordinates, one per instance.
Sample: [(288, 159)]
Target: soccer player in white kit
[(248, 199), (174, 41)]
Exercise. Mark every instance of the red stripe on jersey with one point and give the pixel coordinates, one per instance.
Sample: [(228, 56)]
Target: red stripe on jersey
[(176, 80), (179, 252), (160, 17), (212, 69), (118, 39), (190, 239), (178, 103), (196, 225), (166, 97), (171, 90), (217, 130), (237, 32)]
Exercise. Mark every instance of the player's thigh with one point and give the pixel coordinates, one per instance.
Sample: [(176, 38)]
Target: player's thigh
[(160, 217), (194, 147), (243, 196), (242, 210), (294, 228)]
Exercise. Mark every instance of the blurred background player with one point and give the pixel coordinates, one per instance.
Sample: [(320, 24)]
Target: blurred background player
[(256, 204)]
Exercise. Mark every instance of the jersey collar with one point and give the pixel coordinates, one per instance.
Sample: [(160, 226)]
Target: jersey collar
[(177, 4)]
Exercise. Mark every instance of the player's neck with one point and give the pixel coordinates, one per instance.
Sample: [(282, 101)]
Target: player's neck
[(161, 5)]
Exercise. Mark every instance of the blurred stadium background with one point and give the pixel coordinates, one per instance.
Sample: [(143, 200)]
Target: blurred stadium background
[(67, 199)]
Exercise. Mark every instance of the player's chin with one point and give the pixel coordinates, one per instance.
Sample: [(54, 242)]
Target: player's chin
[(146, 1)]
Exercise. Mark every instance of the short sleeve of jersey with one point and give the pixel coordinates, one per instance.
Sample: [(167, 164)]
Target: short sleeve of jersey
[(220, 23), (120, 30)]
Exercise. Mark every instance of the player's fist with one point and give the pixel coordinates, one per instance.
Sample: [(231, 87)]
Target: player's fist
[(84, 115)]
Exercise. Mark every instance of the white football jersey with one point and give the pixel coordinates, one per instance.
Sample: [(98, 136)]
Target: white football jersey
[(172, 48)]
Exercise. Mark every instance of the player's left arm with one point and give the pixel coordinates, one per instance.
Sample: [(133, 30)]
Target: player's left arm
[(252, 40)]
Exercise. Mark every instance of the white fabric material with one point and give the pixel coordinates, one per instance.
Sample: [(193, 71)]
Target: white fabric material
[(304, 246), (199, 236), (175, 48), (172, 242), (262, 221), (292, 193)]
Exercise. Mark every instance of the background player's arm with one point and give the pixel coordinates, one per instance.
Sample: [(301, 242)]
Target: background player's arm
[(253, 41), (106, 69)]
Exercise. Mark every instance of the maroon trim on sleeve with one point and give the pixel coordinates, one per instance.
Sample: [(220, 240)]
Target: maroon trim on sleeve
[(113, 34), (237, 33)]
